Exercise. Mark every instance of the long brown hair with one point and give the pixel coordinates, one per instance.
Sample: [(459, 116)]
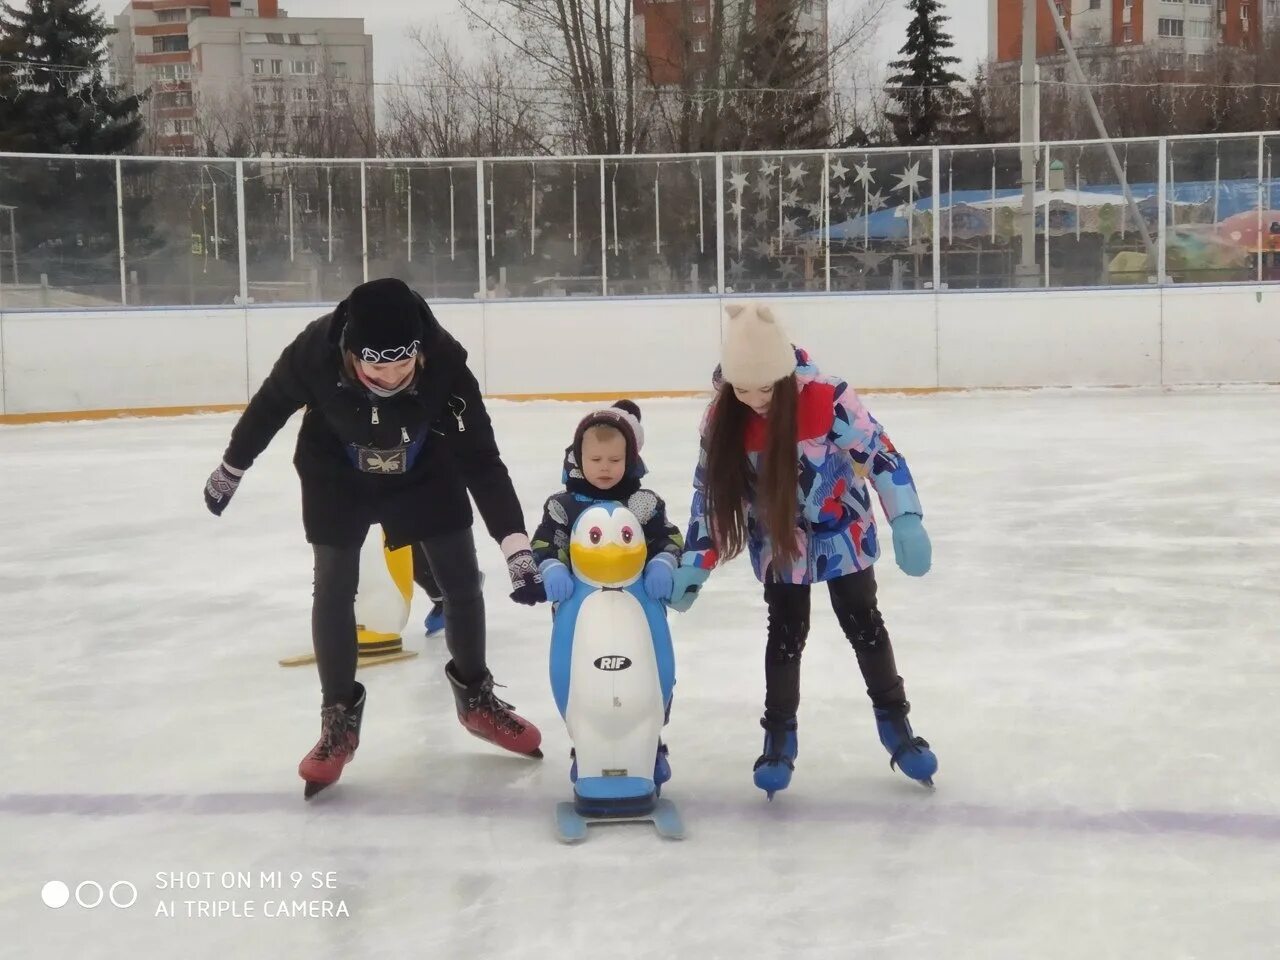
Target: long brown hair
[(730, 481)]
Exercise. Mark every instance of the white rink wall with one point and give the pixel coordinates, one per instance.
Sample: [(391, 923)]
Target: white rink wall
[(55, 362)]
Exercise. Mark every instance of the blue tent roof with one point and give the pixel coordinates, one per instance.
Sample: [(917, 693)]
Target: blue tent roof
[(1234, 196)]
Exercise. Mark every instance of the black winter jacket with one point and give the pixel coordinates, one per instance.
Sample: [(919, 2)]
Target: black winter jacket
[(405, 461)]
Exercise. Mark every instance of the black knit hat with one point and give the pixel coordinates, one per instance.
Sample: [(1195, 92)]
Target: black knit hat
[(384, 321), (623, 416)]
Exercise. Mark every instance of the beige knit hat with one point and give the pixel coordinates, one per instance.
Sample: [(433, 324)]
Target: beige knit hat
[(756, 351)]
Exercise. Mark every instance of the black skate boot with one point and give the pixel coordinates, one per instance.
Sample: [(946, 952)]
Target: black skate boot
[(485, 716), (339, 737)]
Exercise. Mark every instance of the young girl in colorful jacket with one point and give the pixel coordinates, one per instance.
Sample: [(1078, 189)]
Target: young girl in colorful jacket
[(784, 459)]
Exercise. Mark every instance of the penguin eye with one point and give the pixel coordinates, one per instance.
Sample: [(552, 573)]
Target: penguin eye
[(595, 535), (627, 535)]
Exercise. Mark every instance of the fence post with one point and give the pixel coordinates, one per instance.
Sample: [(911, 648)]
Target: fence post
[(1259, 210), (937, 219), (124, 289), (826, 217), (604, 238), (481, 259), (720, 224), (364, 228), (242, 251), (1162, 220)]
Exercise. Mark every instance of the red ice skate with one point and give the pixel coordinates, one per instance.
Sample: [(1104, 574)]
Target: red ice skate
[(485, 716), (339, 737)]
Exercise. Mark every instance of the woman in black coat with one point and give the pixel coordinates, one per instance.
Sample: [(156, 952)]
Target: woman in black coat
[(395, 433)]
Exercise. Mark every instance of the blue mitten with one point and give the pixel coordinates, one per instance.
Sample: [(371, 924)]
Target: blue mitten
[(557, 580), (911, 547), (686, 581), (659, 578)]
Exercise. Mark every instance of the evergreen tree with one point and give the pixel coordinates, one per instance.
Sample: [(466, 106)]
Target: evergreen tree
[(58, 101), (64, 104), (783, 101), (924, 85), (979, 119)]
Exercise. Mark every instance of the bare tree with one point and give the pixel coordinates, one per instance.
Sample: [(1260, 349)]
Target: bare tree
[(583, 50), (447, 105)]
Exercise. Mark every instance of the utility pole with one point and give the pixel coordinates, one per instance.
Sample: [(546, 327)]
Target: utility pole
[(1078, 72), (1026, 273)]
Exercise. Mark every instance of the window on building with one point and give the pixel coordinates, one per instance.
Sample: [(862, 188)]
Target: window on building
[(295, 39), (296, 94), (275, 38), (1126, 68), (260, 94), (277, 94), (277, 67), (1126, 35), (341, 72), (1170, 59), (259, 65), (168, 44), (699, 44), (313, 95), (171, 16), (341, 97), (1195, 62), (1095, 4), (184, 127), (198, 12), (1199, 29), (182, 71), (1170, 27), (302, 67), (699, 14), (1093, 36)]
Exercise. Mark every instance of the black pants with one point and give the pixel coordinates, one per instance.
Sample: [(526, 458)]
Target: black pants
[(422, 574), (853, 598), (333, 620)]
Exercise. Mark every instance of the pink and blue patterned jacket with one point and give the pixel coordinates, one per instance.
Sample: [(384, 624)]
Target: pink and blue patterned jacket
[(838, 445)]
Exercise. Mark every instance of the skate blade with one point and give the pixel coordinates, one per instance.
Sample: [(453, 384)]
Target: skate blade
[(534, 754), (313, 787)]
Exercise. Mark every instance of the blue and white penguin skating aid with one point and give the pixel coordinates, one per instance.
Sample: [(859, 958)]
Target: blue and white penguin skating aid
[(612, 675)]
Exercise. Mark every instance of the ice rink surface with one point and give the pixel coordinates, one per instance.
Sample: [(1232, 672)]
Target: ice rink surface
[(1095, 658)]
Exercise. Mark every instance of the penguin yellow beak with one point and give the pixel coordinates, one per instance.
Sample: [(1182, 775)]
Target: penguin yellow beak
[(610, 565)]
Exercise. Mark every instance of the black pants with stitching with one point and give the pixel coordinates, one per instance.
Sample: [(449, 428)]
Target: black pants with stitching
[(853, 598), (333, 620)]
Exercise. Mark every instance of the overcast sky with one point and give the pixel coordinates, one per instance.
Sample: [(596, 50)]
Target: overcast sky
[(388, 21)]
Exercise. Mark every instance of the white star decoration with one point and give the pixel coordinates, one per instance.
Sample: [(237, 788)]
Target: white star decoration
[(838, 170), (768, 168), (796, 173), (790, 227), (736, 207), (910, 178), (866, 174), (875, 200), (739, 182)]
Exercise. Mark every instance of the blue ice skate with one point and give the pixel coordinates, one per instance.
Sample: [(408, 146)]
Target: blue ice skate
[(774, 767), (435, 619), (907, 752)]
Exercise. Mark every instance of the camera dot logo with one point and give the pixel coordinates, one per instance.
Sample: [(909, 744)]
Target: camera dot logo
[(89, 894), (55, 894)]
